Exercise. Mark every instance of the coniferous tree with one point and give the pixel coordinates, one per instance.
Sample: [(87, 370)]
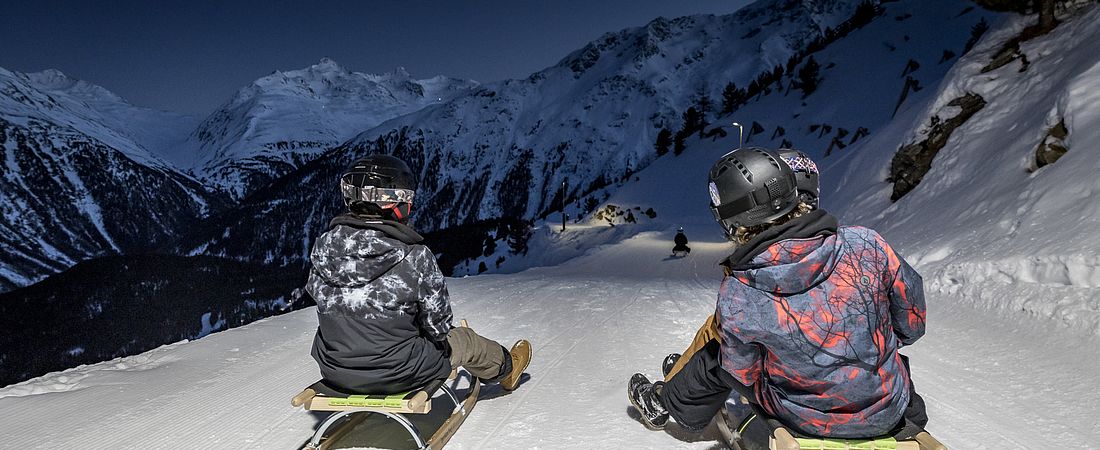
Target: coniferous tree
[(703, 104), (678, 144), (865, 12), (732, 97), (664, 141), (703, 122), (976, 33), (490, 245), (809, 76), (518, 236), (693, 121)]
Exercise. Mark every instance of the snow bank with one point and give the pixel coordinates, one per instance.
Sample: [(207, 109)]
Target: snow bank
[(984, 225)]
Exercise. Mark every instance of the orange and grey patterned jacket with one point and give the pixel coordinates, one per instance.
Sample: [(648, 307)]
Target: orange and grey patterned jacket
[(814, 326)]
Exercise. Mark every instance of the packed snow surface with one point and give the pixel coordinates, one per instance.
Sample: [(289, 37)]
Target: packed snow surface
[(593, 322)]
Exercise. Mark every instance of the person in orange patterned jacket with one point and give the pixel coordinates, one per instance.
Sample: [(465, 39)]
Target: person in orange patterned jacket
[(809, 318)]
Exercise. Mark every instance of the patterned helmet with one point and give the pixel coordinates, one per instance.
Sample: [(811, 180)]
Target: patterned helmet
[(751, 186), (805, 171), (380, 183)]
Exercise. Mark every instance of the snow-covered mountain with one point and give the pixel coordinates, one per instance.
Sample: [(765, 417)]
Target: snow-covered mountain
[(74, 187), (145, 135), (161, 133), (592, 118), (866, 76), (285, 119), (504, 149)]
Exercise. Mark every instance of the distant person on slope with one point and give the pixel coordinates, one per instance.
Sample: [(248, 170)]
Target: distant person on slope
[(809, 319), (681, 240), (383, 307)]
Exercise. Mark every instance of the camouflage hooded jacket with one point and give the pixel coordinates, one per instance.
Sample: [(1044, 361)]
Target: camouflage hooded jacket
[(382, 307), (814, 324)]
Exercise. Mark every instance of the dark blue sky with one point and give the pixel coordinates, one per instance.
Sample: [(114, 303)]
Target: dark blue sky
[(192, 56)]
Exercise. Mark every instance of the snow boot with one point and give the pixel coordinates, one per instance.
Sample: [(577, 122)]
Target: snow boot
[(521, 358), (644, 396), (669, 363)]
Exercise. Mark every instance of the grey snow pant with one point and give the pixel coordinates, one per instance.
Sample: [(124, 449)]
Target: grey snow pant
[(483, 358)]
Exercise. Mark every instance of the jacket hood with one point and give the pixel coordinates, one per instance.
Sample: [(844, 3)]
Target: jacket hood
[(349, 257), (790, 258), (792, 266)]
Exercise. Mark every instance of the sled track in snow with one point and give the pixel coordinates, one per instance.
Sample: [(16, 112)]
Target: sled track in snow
[(526, 390)]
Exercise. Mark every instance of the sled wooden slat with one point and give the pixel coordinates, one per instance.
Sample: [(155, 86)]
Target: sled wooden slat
[(783, 440), (413, 402), (418, 405)]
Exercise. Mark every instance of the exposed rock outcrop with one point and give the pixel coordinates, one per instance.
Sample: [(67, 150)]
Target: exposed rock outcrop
[(913, 161)]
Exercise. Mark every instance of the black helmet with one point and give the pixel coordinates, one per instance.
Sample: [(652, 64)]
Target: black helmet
[(379, 184), (805, 173), (751, 186)]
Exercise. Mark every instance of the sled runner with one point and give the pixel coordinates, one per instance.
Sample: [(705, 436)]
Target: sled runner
[(771, 435)]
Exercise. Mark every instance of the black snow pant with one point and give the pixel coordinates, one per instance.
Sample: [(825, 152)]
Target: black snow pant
[(915, 417), (700, 389)]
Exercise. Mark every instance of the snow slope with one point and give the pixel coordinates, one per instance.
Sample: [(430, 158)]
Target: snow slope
[(593, 321), (1005, 237)]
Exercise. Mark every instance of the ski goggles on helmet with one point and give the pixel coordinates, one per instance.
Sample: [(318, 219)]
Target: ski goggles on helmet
[(373, 194)]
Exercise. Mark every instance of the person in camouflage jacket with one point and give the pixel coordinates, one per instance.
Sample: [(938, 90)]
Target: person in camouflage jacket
[(384, 313)]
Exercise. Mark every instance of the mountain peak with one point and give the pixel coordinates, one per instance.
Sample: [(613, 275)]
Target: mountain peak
[(327, 64), (56, 81), (400, 72)]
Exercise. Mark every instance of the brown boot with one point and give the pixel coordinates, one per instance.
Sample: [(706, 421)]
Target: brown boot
[(521, 357)]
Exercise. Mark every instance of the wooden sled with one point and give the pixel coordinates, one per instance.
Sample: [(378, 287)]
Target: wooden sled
[(351, 411), (782, 439)]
